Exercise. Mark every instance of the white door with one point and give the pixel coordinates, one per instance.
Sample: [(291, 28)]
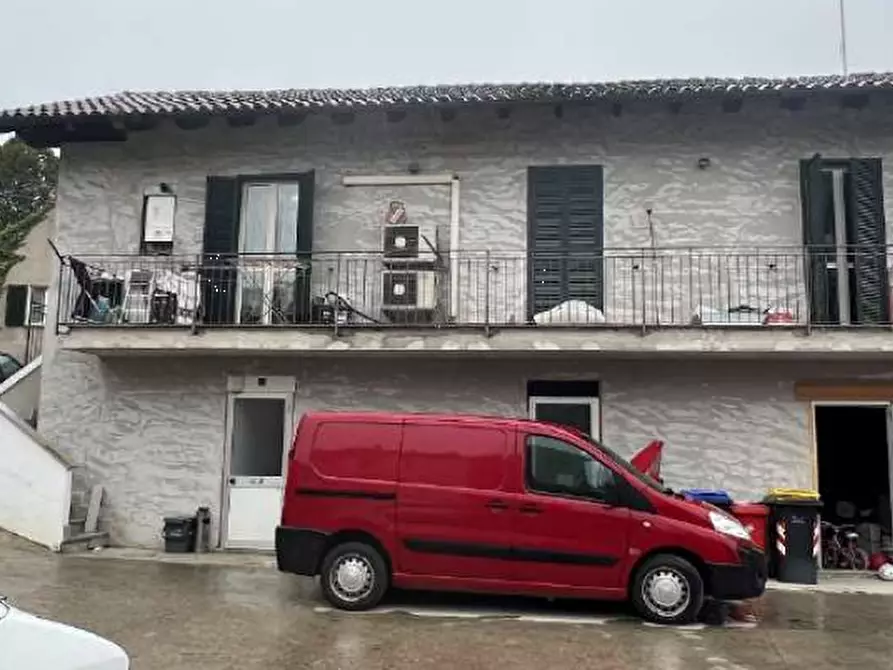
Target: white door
[(259, 430), (576, 412), (268, 242)]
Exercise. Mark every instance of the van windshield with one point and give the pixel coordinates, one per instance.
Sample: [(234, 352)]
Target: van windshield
[(629, 467)]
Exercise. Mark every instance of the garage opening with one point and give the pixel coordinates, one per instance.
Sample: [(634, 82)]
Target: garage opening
[(854, 482)]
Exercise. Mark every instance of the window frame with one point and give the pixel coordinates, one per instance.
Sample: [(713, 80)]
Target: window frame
[(269, 269), (29, 306), (531, 487), (595, 419)]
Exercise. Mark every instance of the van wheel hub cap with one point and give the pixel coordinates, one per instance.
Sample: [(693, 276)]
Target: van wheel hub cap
[(352, 578), (666, 592)]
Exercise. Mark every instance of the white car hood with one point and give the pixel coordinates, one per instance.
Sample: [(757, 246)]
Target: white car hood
[(30, 643)]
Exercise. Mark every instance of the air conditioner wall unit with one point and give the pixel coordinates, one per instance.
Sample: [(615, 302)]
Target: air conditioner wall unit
[(409, 290), (407, 241)]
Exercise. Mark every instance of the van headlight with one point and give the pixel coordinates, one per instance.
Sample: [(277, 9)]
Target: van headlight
[(722, 523)]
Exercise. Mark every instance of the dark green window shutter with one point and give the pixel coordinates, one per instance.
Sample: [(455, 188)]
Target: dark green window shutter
[(302, 299), (870, 238), (815, 198), (305, 212), (220, 246), (16, 305), (565, 236)]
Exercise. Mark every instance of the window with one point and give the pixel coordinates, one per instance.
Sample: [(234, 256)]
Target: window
[(573, 404), (845, 235), (554, 466), (25, 306), (37, 306), (269, 231)]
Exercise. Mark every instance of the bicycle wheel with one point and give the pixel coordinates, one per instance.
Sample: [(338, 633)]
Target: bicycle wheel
[(859, 559)]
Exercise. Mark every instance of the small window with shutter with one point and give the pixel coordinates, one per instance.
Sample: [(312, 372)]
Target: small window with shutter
[(25, 306)]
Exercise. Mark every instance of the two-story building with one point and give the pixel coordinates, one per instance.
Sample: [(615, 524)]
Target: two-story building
[(643, 260)]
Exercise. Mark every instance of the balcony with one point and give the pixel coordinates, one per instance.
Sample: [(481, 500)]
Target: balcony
[(671, 301)]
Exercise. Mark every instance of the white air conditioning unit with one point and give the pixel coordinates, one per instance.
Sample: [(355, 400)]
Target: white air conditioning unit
[(409, 290), (410, 242)]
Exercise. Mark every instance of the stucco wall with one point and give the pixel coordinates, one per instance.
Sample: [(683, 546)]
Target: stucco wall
[(152, 430), (747, 197)]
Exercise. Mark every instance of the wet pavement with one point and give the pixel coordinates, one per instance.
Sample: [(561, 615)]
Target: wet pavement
[(173, 617)]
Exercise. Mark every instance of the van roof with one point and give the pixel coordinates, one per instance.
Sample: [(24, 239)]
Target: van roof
[(399, 417)]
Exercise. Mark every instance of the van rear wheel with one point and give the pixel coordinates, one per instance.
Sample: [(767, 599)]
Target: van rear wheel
[(668, 589), (354, 576)]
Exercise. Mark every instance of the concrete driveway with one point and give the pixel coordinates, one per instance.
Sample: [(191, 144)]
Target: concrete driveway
[(178, 617)]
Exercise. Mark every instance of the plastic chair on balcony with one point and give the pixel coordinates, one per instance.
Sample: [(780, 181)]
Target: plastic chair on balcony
[(139, 286)]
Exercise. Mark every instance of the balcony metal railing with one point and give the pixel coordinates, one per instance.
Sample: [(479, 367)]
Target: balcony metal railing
[(619, 288)]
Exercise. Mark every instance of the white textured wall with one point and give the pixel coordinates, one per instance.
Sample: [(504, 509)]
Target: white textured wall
[(151, 431), (35, 484), (748, 197)]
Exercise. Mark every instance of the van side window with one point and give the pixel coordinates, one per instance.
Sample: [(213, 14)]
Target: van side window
[(454, 456), (556, 467)]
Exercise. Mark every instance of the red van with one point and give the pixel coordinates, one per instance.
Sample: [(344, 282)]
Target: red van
[(498, 505)]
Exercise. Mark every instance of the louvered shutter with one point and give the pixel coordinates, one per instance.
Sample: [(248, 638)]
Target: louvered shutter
[(221, 239), (869, 238), (565, 233), (305, 247), (814, 196)]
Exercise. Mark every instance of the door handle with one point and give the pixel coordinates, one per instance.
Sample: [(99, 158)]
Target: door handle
[(497, 505), (531, 509)]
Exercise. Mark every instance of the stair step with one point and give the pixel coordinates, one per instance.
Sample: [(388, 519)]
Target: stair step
[(86, 541)]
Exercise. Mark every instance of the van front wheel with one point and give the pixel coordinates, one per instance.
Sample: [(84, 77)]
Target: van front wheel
[(354, 576), (668, 589)]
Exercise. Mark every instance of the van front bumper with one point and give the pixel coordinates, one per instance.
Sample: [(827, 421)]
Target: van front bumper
[(739, 582), (299, 550)]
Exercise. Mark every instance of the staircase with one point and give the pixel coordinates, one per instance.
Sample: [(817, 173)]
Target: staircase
[(41, 498), (35, 481)]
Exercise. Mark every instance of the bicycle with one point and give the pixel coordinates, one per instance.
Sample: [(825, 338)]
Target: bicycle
[(846, 555)]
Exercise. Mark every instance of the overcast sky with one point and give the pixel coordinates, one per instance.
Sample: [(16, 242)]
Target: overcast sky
[(59, 49)]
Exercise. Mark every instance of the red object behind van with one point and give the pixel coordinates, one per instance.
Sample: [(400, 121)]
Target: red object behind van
[(498, 505)]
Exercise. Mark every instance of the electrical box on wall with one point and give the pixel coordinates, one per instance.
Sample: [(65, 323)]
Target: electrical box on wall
[(159, 210)]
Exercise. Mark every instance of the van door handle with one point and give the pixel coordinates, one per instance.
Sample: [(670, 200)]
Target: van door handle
[(531, 509), (497, 505)]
